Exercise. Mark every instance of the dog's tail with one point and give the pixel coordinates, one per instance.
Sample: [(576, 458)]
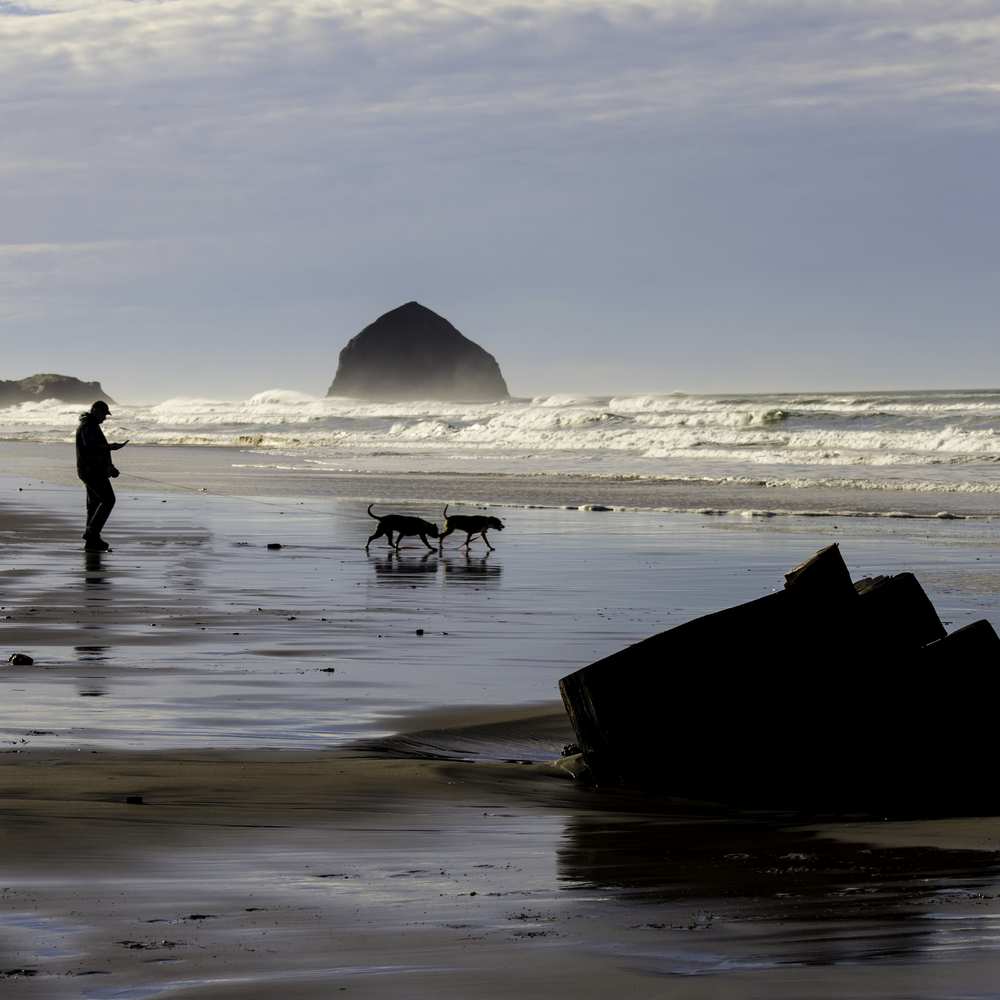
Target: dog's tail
[(445, 514), (370, 514)]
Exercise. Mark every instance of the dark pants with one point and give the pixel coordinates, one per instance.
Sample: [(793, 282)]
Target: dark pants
[(100, 500)]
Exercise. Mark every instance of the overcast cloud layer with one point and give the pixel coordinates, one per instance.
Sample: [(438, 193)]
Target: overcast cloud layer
[(211, 198)]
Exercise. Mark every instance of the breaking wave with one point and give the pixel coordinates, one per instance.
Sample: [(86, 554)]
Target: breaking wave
[(929, 440)]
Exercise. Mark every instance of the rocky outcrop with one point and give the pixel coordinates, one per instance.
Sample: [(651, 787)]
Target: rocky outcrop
[(62, 387), (412, 353)]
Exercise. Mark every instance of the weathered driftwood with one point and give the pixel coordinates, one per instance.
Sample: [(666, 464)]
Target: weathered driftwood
[(822, 696), (898, 612), (975, 643), (824, 575)]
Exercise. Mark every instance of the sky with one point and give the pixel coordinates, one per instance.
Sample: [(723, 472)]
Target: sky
[(209, 198)]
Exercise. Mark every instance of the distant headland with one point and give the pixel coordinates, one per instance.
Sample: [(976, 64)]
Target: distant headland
[(62, 387), (413, 353)]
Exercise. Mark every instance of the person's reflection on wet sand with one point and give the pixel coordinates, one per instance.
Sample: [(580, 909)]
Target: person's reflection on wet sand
[(91, 655), (97, 593), (95, 572)]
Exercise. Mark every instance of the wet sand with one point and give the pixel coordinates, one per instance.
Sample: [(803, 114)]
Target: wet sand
[(194, 633), (252, 874), (394, 844)]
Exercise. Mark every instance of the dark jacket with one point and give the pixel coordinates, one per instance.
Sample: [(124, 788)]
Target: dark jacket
[(93, 453)]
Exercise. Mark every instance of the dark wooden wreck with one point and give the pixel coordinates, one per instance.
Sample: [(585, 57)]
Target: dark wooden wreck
[(828, 696)]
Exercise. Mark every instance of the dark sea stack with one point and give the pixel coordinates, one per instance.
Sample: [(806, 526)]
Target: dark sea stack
[(412, 353), (62, 387), (825, 697)]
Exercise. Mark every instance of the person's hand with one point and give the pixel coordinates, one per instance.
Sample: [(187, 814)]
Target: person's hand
[(119, 444), (114, 473)]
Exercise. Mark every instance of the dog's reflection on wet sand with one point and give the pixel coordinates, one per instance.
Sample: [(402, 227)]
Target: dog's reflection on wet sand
[(474, 569), (391, 567), (397, 568)]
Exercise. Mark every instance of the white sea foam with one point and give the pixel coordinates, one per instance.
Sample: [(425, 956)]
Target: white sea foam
[(939, 441)]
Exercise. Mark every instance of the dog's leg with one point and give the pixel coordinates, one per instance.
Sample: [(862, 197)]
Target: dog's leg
[(423, 538), (447, 531), (377, 534), (482, 535), (399, 538)]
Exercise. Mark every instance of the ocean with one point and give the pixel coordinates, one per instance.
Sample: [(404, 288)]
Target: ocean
[(930, 442), (624, 516), (239, 626)]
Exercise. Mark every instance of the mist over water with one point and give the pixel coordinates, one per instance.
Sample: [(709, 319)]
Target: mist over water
[(944, 441)]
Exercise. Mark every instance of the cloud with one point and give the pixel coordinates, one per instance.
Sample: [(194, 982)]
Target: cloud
[(399, 53), (213, 166)]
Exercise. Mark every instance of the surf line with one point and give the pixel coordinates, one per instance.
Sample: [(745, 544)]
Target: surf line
[(234, 496)]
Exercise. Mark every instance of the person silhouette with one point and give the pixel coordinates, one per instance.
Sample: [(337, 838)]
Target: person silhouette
[(94, 467)]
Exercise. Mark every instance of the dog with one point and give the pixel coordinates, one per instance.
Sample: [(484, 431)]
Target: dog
[(404, 525), (471, 524)]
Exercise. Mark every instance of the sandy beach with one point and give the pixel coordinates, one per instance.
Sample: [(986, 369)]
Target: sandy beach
[(334, 803), (683, 292)]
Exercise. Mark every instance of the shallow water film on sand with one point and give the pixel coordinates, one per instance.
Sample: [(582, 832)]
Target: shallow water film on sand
[(235, 770), (193, 632)]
